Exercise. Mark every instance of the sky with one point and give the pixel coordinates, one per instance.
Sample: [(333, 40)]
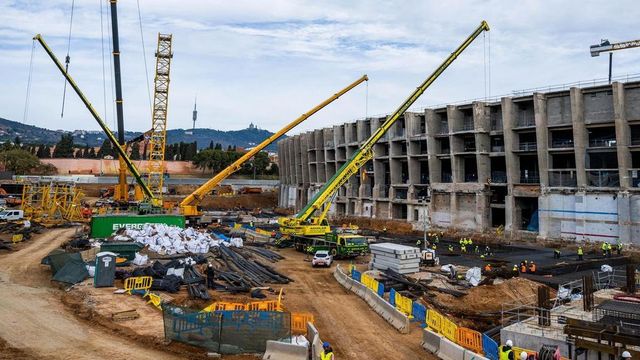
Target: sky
[(267, 62)]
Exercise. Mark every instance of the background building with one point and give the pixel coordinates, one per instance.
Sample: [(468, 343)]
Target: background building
[(558, 164)]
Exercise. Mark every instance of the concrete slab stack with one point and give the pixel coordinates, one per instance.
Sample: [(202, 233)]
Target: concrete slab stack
[(400, 258)]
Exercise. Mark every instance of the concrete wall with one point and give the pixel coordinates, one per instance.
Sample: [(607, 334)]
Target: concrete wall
[(481, 165)]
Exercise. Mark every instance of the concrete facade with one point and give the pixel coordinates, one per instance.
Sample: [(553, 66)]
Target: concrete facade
[(563, 164)]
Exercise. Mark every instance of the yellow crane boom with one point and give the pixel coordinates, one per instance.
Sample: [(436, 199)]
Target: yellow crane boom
[(158, 138), (189, 206), (304, 223), (119, 148)]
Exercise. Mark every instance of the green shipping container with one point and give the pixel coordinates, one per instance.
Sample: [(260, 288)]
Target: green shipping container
[(103, 226)]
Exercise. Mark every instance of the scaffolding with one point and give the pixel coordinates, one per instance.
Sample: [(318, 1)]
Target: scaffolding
[(52, 203), (159, 118)]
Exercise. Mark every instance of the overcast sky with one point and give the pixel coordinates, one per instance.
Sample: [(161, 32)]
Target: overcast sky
[(267, 62)]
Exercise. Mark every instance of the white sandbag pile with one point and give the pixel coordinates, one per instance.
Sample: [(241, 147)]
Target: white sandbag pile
[(170, 240), (400, 258)]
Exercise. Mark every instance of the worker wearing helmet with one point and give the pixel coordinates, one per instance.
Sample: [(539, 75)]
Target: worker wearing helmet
[(532, 267), (505, 352), (327, 352), (487, 268), (523, 355), (625, 355), (580, 253)]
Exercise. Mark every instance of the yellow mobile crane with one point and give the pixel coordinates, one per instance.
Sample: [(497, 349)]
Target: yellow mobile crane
[(305, 227), (119, 148), (189, 206)]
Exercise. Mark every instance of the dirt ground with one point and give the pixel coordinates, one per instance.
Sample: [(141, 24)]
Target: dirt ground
[(36, 323), (343, 319)]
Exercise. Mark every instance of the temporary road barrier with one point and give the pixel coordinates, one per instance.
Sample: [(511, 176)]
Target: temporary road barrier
[(450, 350), (431, 341), (489, 347), (404, 304), (154, 299), (137, 283), (449, 329), (434, 320), (419, 313), (299, 323), (277, 350), (470, 339)]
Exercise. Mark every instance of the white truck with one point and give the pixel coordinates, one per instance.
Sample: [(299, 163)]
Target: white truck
[(11, 215)]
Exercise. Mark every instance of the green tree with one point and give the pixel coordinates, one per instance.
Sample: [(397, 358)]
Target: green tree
[(106, 149), (64, 147), (17, 141), (92, 153), (135, 151), (19, 161), (218, 146), (261, 162)]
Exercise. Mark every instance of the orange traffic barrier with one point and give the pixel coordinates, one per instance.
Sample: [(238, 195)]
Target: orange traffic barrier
[(470, 339), (299, 323)]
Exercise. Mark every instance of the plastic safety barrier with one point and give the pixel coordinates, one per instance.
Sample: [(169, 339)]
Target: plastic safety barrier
[(137, 283), (449, 329), (470, 339), (419, 313), (392, 297), (154, 300), (380, 289), (430, 341), (277, 350), (299, 322), (271, 305), (434, 321), (356, 275), (489, 347), (377, 303), (404, 304)]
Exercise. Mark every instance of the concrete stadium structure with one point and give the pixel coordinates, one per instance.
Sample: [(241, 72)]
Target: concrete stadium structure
[(558, 164)]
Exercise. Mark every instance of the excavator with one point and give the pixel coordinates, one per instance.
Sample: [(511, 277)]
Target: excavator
[(311, 233), (189, 206)]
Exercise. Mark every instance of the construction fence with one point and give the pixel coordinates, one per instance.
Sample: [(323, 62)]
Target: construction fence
[(227, 331), (431, 319)]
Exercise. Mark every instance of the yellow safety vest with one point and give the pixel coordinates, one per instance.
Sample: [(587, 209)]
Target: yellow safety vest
[(504, 355), (580, 251), (324, 356)]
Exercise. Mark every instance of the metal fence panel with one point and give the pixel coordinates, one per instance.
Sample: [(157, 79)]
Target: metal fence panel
[(226, 332)]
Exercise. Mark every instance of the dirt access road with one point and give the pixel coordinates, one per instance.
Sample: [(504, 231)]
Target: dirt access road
[(343, 319), (37, 325)]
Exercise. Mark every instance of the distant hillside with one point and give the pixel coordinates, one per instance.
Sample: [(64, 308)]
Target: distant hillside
[(35, 135)]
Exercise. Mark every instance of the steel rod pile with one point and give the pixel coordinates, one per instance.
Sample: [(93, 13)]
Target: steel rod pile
[(251, 271)]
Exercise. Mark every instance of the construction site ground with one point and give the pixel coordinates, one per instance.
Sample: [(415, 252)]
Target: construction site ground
[(46, 321)]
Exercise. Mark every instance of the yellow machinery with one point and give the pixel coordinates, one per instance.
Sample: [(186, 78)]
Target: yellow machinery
[(114, 142), (159, 119), (189, 206), (305, 223), (52, 203)]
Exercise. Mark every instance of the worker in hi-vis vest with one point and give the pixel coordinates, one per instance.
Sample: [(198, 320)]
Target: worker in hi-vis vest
[(327, 352), (505, 352)]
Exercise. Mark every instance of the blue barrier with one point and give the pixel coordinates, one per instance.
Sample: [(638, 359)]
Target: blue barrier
[(419, 313), (221, 236), (489, 347), (392, 297), (380, 289), (355, 275)]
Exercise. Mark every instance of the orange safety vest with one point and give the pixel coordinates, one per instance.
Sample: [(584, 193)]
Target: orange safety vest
[(523, 268), (532, 268), (487, 268)]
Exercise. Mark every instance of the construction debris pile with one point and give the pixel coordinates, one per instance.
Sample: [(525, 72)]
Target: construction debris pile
[(400, 258), (171, 240)]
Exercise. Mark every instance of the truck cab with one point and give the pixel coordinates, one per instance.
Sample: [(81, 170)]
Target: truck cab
[(347, 244)]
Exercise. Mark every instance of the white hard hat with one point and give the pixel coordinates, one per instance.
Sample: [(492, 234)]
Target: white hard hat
[(523, 355), (509, 343), (626, 355)]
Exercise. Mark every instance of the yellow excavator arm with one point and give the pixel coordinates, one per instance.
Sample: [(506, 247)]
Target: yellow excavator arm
[(189, 206), (304, 223)]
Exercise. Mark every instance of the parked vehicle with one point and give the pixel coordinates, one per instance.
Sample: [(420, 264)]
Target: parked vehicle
[(322, 257), (11, 215)]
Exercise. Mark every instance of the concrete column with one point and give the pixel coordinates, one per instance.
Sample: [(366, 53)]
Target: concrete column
[(454, 117), (483, 211), (434, 163), (511, 161), (623, 135), (542, 137), (580, 135), (483, 142)]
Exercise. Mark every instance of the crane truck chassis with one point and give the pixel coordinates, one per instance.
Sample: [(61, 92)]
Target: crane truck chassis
[(339, 245)]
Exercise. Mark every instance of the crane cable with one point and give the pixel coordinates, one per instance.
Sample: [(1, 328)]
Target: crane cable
[(104, 77), (28, 95), (144, 57), (67, 59)]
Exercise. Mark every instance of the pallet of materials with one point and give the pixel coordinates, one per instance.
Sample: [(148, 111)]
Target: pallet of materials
[(400, 258)]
